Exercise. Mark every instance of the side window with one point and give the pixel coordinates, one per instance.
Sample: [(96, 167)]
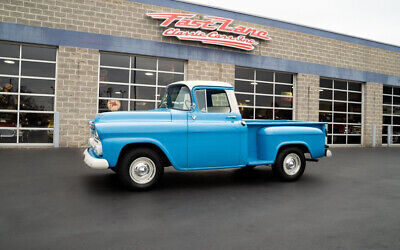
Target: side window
[(212, 101)]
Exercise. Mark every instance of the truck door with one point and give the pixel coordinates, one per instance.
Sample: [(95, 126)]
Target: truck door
[(215, 133)]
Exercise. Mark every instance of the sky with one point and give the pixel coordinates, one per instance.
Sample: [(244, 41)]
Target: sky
[(377, 20)]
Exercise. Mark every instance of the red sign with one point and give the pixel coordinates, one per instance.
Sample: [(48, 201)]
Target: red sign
[(242, 38)]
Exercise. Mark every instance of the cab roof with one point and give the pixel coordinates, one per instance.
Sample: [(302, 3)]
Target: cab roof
[(192, 84)]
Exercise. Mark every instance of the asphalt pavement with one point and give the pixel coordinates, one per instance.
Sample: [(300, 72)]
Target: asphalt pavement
[(50, 200)]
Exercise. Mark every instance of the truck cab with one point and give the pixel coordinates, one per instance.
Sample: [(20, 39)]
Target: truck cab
[(198, 126)]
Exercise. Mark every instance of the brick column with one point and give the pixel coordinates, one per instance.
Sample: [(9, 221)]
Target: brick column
[(209, 71), (76, 93), (372, 112), (306, 91)]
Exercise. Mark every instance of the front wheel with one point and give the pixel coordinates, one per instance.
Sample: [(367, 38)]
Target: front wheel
[(290, 164), (140, 169)]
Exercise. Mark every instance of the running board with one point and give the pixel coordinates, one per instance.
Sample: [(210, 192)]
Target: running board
[(311, 159)]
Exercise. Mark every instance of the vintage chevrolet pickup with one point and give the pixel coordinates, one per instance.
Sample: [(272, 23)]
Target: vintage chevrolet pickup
[(198, 126)]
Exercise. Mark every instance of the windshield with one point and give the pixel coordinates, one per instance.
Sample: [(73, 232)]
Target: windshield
[(176, 97)]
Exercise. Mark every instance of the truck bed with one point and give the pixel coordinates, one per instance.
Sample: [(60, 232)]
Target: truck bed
[(264, 141)]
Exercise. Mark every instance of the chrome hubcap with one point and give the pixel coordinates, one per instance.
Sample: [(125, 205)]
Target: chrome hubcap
[(142, 170), (291, 164)]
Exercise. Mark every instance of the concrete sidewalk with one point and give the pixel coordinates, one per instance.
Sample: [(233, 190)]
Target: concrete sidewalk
[(50, 200)]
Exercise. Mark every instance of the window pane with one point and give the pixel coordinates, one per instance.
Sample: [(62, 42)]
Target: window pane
[(354, 107), (144, 63), (264, 88), (243, 73), (264, 101), (112, 105), (37, 86), (8, 135), (340, 106), (243, 86), (384, 130), (143, 77), (387, 99), (170, 65), (325, 83), (164, 78), (341, 95), (262, 75), (355, 97), (8, 119), (113, 90), (337, 117), (114, 75), (283, 102), (396, 120), (264, 114), (387, 90), (36, 136), (340, 85), (354, 86), (339, 139), (247, 113), (114, 60), (396, 100), (9, 67), (396, 91), (245, 100), (281, 114), (9, 50), (38, 53), (160, 93), (43, 103), (396, 140), (325, 117), (8, 102), (284, 78), (35, 120), (38, 69), (140, 92), (353, 118), (339, 128), (396, 130), (325, 94), (387, 120), (354, 129), (396, 110), (323, 105), (217, 101), (354, 140), (384, 139), (139, 105), (8, 84), (283, 90)]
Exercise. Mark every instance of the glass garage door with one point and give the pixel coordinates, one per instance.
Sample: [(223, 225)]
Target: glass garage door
[(391, 113), (128, 82), (340, 104), (27, 90), (263, 94)]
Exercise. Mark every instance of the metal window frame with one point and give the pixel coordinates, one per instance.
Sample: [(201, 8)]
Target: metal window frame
[(391, 115)]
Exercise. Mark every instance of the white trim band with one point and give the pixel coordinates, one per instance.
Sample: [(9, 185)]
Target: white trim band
[(94, 162)]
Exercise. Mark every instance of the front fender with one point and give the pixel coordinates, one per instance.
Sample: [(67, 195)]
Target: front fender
[(112, 148)]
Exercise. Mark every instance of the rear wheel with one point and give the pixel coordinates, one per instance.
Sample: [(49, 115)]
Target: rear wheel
[(290, 164), (140, 169)]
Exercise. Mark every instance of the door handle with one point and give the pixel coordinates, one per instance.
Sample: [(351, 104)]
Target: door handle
[(231, 117)]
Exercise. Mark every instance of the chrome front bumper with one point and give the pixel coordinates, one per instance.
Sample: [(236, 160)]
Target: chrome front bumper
[(328, 153), (94, 162)]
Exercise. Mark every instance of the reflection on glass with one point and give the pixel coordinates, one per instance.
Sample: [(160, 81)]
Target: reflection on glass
[(35, 120), (113, 90), (37, 86), (43, 103), (8, 135), (8, 84), (8, 102), (8, 119)]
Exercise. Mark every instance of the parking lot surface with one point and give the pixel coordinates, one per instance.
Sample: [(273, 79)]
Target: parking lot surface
[(50, 200)]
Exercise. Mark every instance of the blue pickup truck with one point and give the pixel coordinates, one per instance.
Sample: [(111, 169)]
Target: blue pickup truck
[(198, 126)]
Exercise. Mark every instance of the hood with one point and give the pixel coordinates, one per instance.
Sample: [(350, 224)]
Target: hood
[(162, 115)]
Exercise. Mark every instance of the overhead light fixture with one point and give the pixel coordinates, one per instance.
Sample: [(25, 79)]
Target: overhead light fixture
[(148, 74), (246, 100), (9, 61), (254, 83), (118, 92)]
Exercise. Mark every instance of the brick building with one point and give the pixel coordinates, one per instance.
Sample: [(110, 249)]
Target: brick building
[(81, 57)]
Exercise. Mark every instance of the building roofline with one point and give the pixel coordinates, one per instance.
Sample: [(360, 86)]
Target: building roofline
[(252, 18)]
